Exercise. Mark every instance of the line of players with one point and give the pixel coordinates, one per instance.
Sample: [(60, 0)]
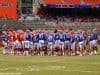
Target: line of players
[(48, 42)]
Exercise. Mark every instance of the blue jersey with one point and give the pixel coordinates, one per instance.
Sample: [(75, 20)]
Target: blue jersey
[(62, 37), (35, 39), (95, 35), (80, 37), (50, 38), (56, 36), (67, 37), (45, 36), (28, 37), (4, 37), (91, 36), (73, 37), (41, 36)]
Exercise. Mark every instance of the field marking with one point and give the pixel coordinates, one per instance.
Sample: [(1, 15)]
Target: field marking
[(34, 68), (79, 63), (82, 71), (10, 73), (3, 69), (46, 68), (51, 69)]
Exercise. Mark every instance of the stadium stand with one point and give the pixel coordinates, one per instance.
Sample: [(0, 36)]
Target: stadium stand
[(47, 24), (70, 18)]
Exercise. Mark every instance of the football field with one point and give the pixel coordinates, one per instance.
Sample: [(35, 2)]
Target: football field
[(46, 65)]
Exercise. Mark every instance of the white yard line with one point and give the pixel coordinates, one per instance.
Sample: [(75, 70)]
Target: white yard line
[(93, 63), (89, 71), (46, 68), (10, 73)]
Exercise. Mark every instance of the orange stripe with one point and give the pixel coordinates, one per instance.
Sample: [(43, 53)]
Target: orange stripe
[(9, 11)]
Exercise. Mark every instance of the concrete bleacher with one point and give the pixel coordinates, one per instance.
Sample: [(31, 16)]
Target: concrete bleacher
[(48, 25), (83, 25)]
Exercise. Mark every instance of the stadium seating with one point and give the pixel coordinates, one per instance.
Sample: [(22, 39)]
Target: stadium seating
[(48, 25)]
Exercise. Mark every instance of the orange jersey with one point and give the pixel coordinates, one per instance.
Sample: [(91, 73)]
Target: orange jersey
[(15, 37)]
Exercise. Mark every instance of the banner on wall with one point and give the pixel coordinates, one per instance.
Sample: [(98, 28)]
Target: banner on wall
[(62, 1), (8, 9), (73, 3)]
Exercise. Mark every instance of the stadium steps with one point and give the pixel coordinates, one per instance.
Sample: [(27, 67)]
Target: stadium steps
[(47, 25)]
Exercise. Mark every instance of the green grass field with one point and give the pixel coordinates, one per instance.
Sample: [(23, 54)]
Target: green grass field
[(60, 65)]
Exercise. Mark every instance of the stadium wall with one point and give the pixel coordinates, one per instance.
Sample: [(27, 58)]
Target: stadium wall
[(8, 9)]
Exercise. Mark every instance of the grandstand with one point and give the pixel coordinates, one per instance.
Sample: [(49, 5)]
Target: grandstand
[(46, 14)]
